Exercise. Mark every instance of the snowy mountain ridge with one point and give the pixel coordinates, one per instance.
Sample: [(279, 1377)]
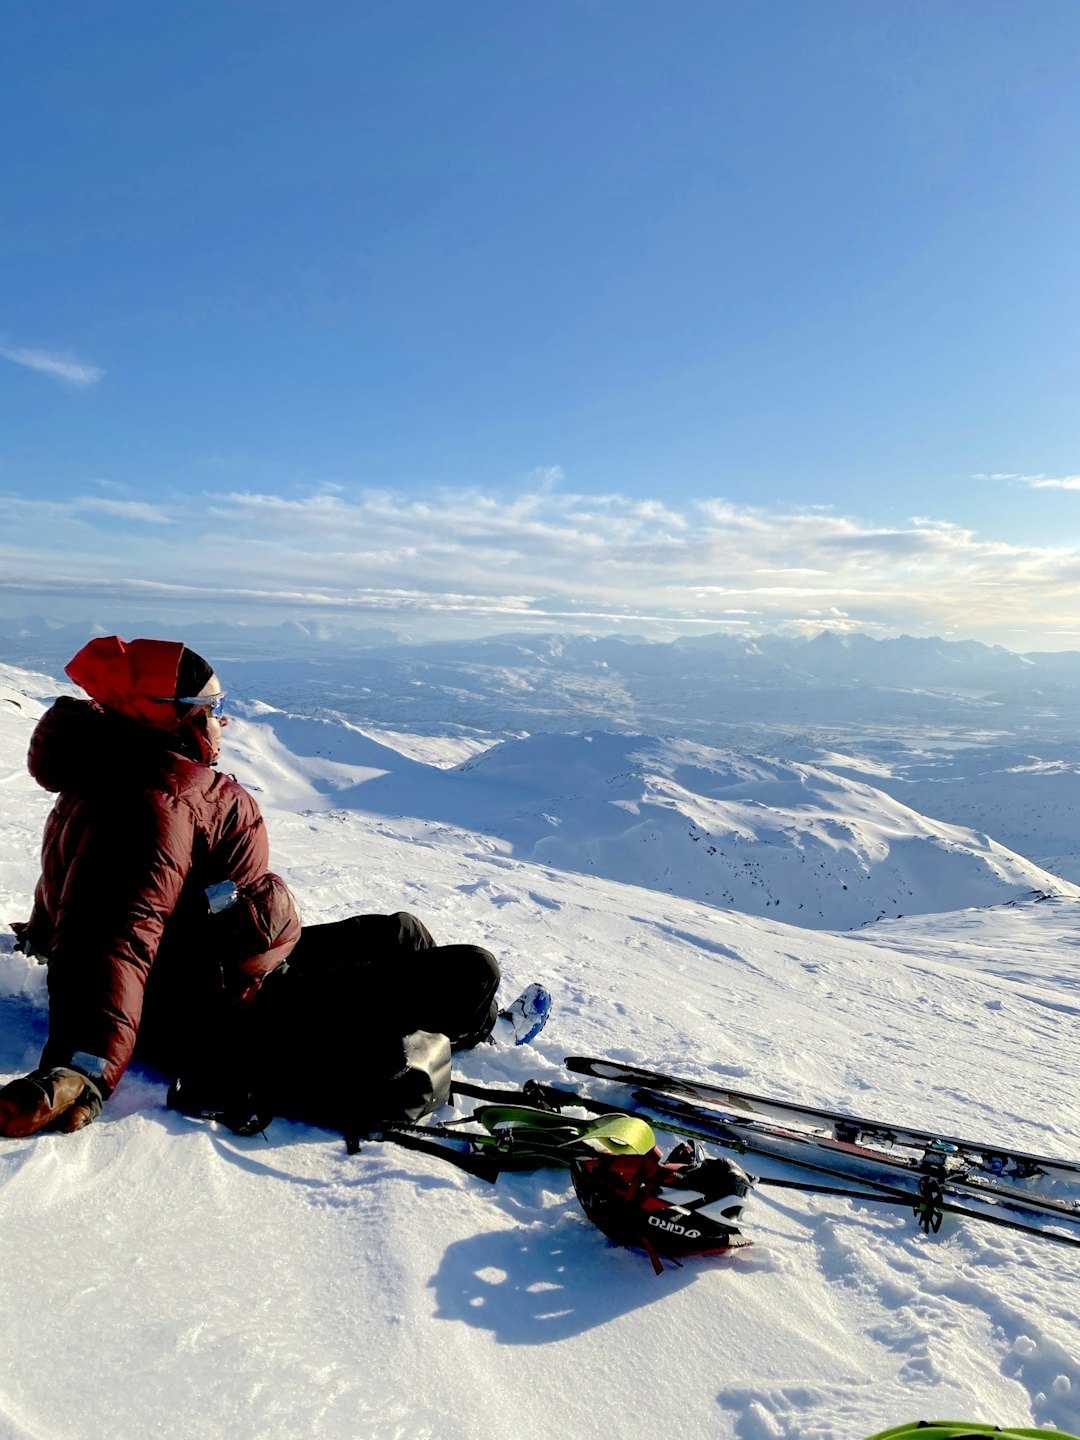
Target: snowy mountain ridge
[(763, 836)]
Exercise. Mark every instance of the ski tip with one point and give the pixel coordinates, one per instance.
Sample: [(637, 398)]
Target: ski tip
[(958, 1430)]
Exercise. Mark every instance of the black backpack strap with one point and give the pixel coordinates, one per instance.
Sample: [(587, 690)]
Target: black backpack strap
[(429, 1141)]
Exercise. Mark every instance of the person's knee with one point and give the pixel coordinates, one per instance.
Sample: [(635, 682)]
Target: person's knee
[(463, 974), (487, 966), (476, 975), (412, 932), (473, 968)]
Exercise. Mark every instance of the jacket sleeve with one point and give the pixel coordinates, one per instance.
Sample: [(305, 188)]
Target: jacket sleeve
[(119, 889), (254, 936)]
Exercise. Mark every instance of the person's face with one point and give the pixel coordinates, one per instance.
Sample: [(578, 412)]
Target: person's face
[(214, 723)]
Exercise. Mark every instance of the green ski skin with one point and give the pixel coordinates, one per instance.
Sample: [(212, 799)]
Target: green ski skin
[(854, 1128), (962, 1430)]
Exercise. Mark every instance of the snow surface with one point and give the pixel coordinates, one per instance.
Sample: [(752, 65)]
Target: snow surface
[(164, 1278)]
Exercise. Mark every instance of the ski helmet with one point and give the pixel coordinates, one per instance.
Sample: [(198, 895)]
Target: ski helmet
[(681, 1206)]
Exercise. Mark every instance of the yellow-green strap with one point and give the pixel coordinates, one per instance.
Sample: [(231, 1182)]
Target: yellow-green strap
[(613, 1134)]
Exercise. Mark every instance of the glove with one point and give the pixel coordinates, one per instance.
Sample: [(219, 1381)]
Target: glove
[(22, 944), (57, 1099)]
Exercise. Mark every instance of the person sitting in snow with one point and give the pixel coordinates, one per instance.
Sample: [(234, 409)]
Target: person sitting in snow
[(241, 1002)]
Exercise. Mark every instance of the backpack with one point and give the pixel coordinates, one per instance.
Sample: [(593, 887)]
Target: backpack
[(396, 1078)]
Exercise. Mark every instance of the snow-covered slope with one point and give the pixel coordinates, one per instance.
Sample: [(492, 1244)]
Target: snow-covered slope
[(163, 1278), (791, 840), (1029, 802)]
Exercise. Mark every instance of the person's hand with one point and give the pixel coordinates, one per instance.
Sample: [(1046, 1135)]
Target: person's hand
[(56, 1099)]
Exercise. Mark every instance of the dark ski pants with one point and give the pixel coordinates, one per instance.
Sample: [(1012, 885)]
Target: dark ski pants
[(391, 975), (325, 1030)]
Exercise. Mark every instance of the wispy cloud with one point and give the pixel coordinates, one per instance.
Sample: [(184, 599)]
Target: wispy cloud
[(1037, 482), (1048, 482), (59, 367), (123, 510), (56, 518)]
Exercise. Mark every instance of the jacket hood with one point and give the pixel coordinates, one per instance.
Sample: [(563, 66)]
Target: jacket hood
[(139, 678), (77, 746)]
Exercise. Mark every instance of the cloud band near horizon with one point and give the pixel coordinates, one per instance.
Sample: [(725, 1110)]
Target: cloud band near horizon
[(542, 555)]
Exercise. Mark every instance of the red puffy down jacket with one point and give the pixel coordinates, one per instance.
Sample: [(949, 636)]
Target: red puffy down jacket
[(120, 914)]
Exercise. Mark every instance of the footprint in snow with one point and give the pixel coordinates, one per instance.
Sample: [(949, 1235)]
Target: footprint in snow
[(732, 1072), (795, 1412)]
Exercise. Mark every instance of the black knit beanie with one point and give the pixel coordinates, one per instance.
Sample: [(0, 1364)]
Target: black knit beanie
[(192, 673)]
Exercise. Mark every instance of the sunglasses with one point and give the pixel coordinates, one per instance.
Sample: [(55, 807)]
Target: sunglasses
[(214, 703)]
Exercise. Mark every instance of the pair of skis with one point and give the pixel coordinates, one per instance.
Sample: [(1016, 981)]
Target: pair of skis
[(933, 1172)]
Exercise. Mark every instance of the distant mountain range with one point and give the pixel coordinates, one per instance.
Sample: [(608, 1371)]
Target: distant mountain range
[(827, 658), (763, 692)]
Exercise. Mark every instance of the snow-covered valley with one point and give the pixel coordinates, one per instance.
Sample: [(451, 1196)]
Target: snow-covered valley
[(166, 1278)]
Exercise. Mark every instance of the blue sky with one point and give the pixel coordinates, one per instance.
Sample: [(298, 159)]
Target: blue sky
[(464, 315)]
